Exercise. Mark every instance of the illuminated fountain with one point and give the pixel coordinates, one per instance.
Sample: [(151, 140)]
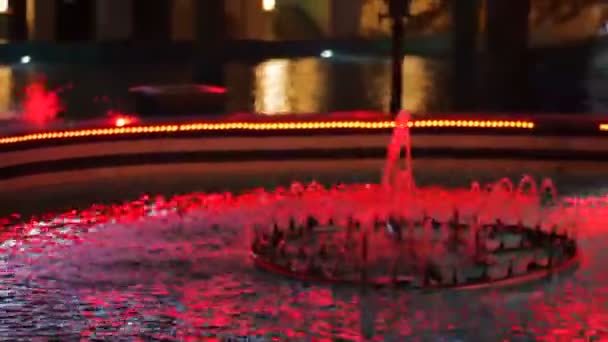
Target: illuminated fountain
[(179, 268), (399, 234)]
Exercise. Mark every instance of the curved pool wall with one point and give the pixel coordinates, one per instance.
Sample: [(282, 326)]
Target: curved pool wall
[(93, 162)]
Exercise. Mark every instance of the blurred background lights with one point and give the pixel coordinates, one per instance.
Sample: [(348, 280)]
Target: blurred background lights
[(3, 6), (327, 54), (269, 5), (26, 59)]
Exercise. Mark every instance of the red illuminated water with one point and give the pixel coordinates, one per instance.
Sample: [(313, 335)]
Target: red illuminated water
[(179, 269), (398, 170)]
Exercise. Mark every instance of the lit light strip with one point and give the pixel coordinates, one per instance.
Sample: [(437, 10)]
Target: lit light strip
[(268, 126), (603, 127)]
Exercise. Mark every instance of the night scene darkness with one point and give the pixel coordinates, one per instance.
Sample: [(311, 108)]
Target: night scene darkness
[(304, 170)]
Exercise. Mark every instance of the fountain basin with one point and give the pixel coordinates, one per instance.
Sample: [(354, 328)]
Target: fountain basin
[(501, 266), (266, 140), (180, 256), (342, 147)]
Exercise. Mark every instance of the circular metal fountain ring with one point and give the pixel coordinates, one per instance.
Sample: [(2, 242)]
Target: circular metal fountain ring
[(562, 254)]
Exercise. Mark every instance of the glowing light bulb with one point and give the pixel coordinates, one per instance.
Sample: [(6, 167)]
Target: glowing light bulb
[(327, 54), (26, 59), (121, 122), (269, 5)]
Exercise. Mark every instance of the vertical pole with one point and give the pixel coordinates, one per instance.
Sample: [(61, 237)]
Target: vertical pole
[(397, 11), (210, 41), (397, 66), (18, 21), (464, 53), (506, 42)]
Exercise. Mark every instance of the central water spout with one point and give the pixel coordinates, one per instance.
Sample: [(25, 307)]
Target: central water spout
[(398, 174)]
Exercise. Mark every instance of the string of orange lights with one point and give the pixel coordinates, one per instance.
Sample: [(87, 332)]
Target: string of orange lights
[(121, 128)]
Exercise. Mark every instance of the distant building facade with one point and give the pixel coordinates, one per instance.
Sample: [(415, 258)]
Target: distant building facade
[(181, 20), (188, 20)]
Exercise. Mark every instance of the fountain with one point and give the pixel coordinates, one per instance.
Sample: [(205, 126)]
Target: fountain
[(399, 234), (180, 268)]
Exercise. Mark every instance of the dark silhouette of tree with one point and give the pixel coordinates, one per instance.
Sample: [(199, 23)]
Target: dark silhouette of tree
[(546, 11), (422, 19), (559, 10)]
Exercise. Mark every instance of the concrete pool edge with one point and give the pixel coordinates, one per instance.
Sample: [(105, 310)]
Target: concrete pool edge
[(176, 149), (243, 140)]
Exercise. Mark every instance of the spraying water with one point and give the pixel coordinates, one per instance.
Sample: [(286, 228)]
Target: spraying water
[(40, 105), (398, 175), (178, 268)]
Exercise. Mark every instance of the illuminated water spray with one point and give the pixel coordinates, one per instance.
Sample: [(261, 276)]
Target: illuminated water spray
[(397, 170), (408, 236), (40, 105)]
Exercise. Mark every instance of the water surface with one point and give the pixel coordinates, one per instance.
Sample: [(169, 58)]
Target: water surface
[(313, 85), (178, 277)]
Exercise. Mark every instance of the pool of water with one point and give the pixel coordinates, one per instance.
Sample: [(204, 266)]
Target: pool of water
[(172, 276), (310, 85), (175, 277)]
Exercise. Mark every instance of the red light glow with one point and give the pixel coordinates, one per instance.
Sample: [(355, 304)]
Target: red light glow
[(558, 313), (211, 89), (40, 105)]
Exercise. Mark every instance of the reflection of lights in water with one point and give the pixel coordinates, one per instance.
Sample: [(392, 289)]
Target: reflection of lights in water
[(6, 84), (289, 86), (415, 82), (418, 84), (271, 87), (126, 246), (327, 54)]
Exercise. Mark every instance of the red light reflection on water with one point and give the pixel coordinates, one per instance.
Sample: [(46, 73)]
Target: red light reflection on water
[(238, 300), (211, 89)]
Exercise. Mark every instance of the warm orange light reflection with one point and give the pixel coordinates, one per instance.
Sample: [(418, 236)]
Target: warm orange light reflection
[(6, 95), (284, 86), (604, 127), (267, 126)]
